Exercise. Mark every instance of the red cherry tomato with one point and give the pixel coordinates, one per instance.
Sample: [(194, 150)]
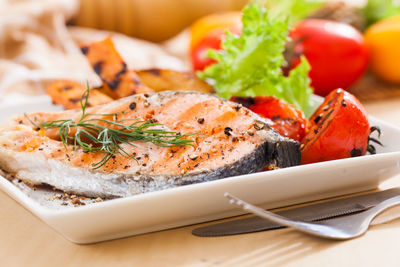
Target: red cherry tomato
[(336, 52), (339, 129), (284, 118), (212, 40), (199, 51)]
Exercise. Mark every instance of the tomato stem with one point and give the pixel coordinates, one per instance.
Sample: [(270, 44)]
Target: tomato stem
[(371, 148)]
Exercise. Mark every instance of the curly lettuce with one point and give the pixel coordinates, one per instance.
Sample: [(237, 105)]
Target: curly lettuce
[(295, 10), (375, 10), (251, 64)]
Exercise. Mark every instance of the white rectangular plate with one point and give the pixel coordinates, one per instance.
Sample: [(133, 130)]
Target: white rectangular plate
[(202, 202)]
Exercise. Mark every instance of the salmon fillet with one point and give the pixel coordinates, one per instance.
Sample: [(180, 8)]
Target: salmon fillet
[(229, 140)]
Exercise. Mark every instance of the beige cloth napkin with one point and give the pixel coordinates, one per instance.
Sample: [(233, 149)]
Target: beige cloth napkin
[(37, 47)]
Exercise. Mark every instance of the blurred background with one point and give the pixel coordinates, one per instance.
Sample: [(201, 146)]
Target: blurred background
[(39, 39), (155, 20)]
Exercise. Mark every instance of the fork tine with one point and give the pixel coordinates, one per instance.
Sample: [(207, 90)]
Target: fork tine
[(234, 200), (311, 228)]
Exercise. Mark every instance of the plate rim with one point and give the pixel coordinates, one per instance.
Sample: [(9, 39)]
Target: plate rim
[(47, 211)]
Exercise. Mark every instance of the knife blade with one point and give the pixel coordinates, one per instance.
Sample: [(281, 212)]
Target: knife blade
[(314, 212)]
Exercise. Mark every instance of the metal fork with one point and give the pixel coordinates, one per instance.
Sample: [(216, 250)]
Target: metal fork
[(340, 228)]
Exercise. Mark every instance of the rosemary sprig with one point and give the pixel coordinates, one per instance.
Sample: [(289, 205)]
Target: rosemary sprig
[(94, 137)]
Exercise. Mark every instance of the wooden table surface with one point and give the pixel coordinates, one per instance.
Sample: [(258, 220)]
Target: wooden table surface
[(27, 241)]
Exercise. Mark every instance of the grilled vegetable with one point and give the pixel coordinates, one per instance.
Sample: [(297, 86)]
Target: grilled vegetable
[(339, 129), (162, 80), (283, 117), (118, 80), (69, 93)]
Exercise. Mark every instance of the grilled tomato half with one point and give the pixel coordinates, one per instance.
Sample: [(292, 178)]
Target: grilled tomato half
[(283, 117), (339, 128)]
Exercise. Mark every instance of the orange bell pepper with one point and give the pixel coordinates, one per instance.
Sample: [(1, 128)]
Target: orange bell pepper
[(383, 41), (200, 28)]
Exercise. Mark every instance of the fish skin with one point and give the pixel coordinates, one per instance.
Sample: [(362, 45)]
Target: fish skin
[(47, 162)]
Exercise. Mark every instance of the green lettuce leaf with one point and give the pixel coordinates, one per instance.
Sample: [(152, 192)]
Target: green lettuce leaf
[(375, 10), (295, 10), (250, 64)]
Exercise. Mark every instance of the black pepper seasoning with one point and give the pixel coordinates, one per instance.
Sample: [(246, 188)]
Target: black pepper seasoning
[(355, 152), (258, 125), (318, 118), (228, 131), (132, 106)]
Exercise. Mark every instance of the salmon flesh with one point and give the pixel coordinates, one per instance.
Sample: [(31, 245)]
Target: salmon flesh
[(229, 140)]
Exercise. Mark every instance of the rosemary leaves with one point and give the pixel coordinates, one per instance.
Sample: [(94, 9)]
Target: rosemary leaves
[(94, 133)]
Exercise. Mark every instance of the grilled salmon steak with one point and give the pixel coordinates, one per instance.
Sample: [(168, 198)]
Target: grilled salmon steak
[(228, 140)]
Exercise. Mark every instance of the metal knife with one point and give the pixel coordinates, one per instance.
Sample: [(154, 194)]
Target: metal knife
[(314, 212)]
